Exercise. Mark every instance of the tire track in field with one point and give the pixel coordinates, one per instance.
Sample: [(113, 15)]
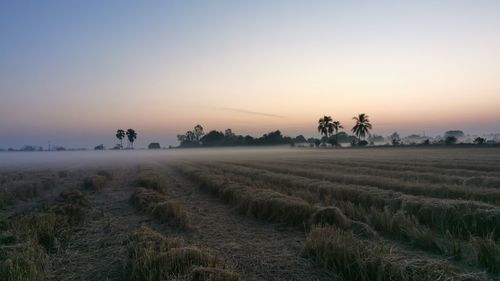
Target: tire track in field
[(259, 250)]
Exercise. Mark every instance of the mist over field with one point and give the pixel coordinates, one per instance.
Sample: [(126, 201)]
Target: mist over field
[(107, 158), (75, 159)]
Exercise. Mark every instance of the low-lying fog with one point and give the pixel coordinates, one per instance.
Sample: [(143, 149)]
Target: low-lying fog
[(72, 159), (76, 159)]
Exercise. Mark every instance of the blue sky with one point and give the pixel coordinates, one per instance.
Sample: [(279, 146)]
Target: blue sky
[(73, 72)]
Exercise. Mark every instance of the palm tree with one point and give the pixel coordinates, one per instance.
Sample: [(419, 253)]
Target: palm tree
[(120, 134), (325, 126), (131, 136), (362, 126), (336, 127)]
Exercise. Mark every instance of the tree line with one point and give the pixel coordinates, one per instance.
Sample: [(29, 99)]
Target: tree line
[(330, 134), (330, 131), (198, 138), (327, 127)]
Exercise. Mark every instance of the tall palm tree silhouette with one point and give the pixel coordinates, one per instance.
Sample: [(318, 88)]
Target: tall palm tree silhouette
[(325, 126), (336, 127), (120, 134), (131, 136), (362, 126)]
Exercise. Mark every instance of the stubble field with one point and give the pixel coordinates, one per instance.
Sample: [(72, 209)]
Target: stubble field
[(264, 214)]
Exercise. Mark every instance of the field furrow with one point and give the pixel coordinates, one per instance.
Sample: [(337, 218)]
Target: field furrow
[(488, 195)]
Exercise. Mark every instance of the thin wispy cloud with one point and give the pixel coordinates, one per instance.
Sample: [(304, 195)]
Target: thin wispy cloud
[(251, 112)]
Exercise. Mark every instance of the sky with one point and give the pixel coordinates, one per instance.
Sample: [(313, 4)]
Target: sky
[(72, 72)]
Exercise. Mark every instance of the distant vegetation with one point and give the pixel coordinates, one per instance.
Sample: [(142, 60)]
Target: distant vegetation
[(198, 138), (331, 135), (131, 135), (330, 131)]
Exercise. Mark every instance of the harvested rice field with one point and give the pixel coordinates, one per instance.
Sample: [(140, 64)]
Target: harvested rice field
[(252, 214)]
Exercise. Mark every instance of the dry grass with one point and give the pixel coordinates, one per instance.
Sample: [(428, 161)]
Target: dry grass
[(172, 213), (359, 259), (6, 198), (25, 188), (158, 205), (151, 179), (152, 256), (94, 182), (459, 217), (23, 262), (30, 238), (260, 203), (489, 195), (109, 175), (213, 274), (369, 217), (386, 212), (40, 227), (334, 216), (487, 253)]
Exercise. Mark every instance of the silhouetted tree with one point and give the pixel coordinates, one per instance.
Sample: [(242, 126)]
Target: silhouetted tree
[(154, 145), (299, 139), (325, 126), (213, 138), (249, 140), (479, 140), (181, 138), (271, 138), (99, 147), (362, 143), (454, 133), (317, 142), (336, 127), (395, 139), (120, 134), (229, 133), (228, 138), (450, 140), (190, 136), (131, 136), (198, 132), (362, 126), (188, 139)]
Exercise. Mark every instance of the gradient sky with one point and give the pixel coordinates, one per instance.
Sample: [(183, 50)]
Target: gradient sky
[(73, 72)]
